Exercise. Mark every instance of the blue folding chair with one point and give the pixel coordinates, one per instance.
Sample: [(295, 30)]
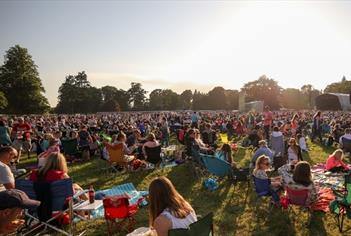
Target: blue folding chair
[(216, 166), (263, 189), (55, 197)]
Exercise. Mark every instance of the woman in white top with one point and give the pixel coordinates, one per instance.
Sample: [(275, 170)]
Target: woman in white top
[(168, 209)]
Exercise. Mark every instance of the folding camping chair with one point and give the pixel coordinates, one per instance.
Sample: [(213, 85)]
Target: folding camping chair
[(216, 166), (197, 163), (119, 214), (202, 227), (56, 202), (342, 205), (116, 157), (298, 197), (153, 155), (70, 147), (263, 189)]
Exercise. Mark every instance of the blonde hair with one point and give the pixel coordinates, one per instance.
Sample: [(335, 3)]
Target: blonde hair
[(259, 162), (55, 161), (339, 151)]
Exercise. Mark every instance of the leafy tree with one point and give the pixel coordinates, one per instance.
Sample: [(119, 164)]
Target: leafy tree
[(309, 95), (118, 95), (344, 86), (110, 106), (186, 99), (137, 96), (76, 95), (217, 99), (3, 101), (264, 89), (200, 101), (164, 100), (292, 99), (20, 83), (232, 97)]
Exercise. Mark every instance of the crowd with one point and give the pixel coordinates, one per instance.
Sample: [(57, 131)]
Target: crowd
[(273, 136)]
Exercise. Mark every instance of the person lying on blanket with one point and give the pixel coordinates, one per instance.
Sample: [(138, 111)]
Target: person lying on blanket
[(335, 163)]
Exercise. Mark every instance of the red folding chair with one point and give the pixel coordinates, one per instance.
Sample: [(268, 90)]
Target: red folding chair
[(119, 215), (298, 197)]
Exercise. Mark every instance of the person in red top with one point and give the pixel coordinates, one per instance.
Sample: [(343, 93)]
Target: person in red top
[(21, 134), (54, 169), (335, 163), (267, 121)]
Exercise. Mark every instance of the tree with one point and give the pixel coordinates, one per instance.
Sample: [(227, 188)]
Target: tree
[(120, 96), (110, 106), (217, 99), (3, 101), (136, 96), (164, 100), (200, 101), (232, 97), (76, 95), (309, 95), (21, 84), (344, 86), (185, 99), (264, 89), (292, 99)]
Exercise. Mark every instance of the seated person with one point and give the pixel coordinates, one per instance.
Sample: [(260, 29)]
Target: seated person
[(12, 203), (262, 165), (286, 172), (53, 147), (335, 163), (7, 155), (294, 151), (263, 150), (168, 209), (254, 138), (128, 151), (226, 153), (302, 179), (347, 136), (54, 169), (209, 135), (150, 143), (198, 141), (189, 141)]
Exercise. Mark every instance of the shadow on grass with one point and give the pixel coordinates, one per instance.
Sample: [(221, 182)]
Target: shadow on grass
[(317, 225)]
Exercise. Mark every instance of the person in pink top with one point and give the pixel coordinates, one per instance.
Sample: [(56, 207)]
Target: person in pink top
[(267, 121), (335, 163)]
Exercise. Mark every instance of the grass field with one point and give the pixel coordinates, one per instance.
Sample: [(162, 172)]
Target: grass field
[(234, 213)]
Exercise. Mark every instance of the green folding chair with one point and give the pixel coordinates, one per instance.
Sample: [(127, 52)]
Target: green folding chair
[(202, 227), (342, 205)]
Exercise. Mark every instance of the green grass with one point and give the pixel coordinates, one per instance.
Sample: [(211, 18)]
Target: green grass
[(233, 214)]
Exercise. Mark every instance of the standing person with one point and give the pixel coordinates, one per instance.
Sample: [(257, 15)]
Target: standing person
[(165, 132), (168, 209), (7, 180), (294, 124), (21, 134), (267, 121), (12, 203), (194, 120), (5, 139), (317, 126)]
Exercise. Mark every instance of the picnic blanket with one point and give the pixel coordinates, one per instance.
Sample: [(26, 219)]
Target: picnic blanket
[(129, 189), (325, 197), (326, 179)]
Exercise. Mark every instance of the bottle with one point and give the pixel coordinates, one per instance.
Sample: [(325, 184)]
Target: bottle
[(91, 194)]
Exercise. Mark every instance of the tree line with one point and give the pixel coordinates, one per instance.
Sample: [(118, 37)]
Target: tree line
[(21, 92)]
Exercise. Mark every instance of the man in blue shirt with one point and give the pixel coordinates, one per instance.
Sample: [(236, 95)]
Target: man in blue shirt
[(262, 150)]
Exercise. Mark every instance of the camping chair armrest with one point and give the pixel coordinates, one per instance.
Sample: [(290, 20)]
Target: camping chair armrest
[(80, 193)]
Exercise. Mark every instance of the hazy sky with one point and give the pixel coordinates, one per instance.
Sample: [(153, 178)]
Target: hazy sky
[(181, 44)]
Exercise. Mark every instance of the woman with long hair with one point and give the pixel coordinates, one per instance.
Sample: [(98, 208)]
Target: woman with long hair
[(302, 179), (294, 151), (168, 209)]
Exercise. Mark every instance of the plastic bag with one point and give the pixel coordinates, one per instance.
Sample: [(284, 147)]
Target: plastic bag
[(143, 231)]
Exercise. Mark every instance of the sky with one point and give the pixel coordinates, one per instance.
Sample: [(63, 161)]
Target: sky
[(181, 44)]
